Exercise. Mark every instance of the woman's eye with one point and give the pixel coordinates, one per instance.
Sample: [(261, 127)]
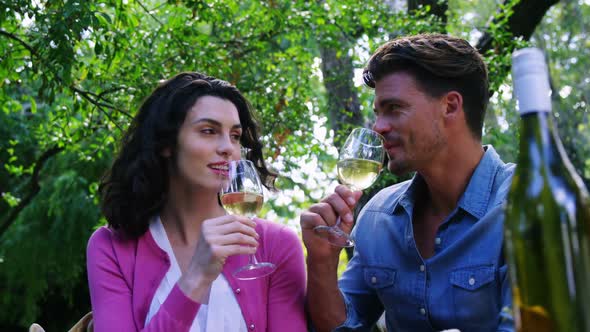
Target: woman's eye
[(208, 131)]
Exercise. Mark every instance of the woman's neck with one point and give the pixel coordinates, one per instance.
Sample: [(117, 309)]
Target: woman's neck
[(184, 213)]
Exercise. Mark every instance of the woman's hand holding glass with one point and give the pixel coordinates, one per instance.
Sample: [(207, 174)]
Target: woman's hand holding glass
[(220, 238), (242, 194)]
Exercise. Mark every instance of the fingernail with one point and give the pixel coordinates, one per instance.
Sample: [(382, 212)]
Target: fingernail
[(347, 218), (351, 200)]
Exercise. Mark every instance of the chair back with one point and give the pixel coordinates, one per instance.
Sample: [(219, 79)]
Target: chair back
[(85, 324)]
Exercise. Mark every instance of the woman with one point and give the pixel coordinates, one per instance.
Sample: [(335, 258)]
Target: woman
[(165, 261)]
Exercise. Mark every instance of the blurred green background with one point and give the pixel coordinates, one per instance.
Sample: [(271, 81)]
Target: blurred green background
[(72, 74)]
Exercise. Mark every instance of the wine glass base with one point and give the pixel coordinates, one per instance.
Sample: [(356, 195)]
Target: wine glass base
[(335, 236), (254, 271)]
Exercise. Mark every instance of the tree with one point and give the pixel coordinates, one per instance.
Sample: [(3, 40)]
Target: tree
[(73, 74)]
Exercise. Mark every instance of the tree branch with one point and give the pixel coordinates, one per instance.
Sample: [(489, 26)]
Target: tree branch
[(85, 94), (437, 8), (18, 39), (89, 96), (523, 20), (35, 188)]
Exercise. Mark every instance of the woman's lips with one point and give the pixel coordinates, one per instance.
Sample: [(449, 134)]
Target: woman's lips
[(220, 168)]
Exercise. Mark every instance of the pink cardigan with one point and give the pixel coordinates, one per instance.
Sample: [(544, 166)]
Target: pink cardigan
[(123, 276)]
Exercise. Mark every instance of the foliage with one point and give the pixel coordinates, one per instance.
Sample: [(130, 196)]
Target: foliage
[(74, 72)]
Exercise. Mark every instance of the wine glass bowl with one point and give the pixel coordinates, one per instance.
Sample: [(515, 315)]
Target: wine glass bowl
[(243, 194), (361, 159), (359, 163)]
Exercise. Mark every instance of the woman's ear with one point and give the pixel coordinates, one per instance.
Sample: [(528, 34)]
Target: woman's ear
[(166, 153)]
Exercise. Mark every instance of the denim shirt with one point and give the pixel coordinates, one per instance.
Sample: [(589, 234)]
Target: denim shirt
[(464, 285)]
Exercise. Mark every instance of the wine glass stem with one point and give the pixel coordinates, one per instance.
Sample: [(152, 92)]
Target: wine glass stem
[(337, 224), (253, 260)]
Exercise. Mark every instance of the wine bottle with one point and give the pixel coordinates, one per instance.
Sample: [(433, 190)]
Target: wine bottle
[(547, 220)]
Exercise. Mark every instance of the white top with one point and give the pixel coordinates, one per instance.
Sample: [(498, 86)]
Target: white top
[(531, 81), (222, 314)]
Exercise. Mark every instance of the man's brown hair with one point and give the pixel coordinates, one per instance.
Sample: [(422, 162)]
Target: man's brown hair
[(439, 63)]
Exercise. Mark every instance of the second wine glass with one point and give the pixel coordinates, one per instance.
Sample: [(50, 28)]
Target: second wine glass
[(359, 164), (243, 194)]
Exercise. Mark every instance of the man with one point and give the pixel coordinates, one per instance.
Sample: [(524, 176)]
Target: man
[(429, 250)]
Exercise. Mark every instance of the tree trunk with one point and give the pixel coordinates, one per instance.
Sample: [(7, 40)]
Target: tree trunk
[(526, 15), (343, 103)]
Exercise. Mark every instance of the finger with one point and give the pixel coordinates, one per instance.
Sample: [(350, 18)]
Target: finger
[(309, 220), (234, 239), (349, 196), (341, 207), (234, 227), (235, 249), (325, 211), (227, 219)]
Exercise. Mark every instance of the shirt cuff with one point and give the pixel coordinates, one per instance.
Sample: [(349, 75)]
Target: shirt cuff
[(180, 306), (352, 322)]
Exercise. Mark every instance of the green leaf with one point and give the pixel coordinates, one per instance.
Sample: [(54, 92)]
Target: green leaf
[(33, 104)]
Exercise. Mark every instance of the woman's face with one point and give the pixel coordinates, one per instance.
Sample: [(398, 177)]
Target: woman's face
[(207, 140)]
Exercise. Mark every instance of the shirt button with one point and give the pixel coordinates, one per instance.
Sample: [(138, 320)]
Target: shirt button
[(471, 281), (422, 311), (373, 280), (422, 268), (251, 326), (238, 291), (437, 240)]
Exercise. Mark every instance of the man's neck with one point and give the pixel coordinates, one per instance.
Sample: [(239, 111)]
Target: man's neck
[(448, 177)]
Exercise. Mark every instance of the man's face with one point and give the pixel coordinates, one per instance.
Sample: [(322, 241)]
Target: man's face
[(410, 121)]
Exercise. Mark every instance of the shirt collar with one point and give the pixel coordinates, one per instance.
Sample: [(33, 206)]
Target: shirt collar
[(477, 193), (475, 199)]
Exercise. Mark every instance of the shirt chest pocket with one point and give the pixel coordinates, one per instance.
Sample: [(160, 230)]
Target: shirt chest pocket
[(473, 278), (378, 277), (475, 296)]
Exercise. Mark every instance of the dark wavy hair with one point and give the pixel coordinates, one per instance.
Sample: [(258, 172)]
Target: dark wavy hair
[(439, 63), (136, 186)]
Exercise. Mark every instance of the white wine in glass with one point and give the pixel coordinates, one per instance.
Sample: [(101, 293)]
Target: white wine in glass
[(242, 194), (242, 203), (357, 173), (359, 164)]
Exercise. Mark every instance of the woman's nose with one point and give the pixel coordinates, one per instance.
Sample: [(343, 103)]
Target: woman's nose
[(227, 147)]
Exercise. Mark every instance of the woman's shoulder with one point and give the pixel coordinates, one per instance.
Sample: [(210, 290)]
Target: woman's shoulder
[(107, 240), (100, 237)]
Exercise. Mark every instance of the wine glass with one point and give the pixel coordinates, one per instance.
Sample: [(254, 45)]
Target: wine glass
[(359, 164), (242, 194)]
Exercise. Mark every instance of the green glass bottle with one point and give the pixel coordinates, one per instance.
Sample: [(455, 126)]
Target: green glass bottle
[(547, 221)]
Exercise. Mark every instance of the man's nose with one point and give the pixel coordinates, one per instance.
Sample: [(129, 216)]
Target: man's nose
[(381, 126)]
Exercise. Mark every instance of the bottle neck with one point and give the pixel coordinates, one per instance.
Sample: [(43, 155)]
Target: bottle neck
[(538, 139)]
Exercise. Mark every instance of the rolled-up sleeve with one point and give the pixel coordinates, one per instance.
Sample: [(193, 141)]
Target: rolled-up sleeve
[(363, 307)]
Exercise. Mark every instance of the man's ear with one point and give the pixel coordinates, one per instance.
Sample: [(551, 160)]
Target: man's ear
[(453, 103)]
